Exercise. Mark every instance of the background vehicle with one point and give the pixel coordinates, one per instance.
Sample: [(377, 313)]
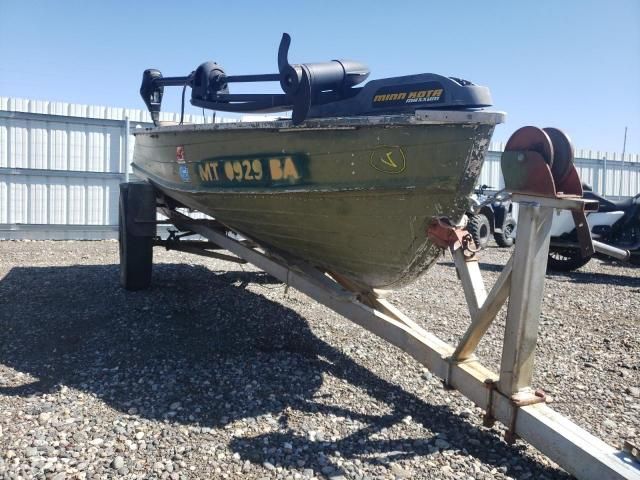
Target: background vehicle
[(491, 215), (616, 223)]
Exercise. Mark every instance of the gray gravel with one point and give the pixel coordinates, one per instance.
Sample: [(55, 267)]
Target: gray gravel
[(216, 372)]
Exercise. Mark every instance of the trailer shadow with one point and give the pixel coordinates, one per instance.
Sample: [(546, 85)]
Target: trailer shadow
[(225, 353), (487, 267), (592, 277), (577, 276)]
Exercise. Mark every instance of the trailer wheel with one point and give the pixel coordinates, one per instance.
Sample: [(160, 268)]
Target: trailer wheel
[(480, 229), (136, 248), (505, 238), (565, 259)]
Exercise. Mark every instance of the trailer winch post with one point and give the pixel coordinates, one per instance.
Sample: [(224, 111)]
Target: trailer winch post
[(522, 283), (525, 300)]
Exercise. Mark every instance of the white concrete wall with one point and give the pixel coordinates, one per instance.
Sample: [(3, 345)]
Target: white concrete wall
[(61, 163), (60, 166)]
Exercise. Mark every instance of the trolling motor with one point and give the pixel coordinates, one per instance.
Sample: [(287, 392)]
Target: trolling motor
[(313, 90)]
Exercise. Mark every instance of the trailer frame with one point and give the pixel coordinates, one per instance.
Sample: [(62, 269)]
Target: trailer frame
[(506, 397)]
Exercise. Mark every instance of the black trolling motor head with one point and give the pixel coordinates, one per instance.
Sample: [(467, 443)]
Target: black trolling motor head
[(312, 90)]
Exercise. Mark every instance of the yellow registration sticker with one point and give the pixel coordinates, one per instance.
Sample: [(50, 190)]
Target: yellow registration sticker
[(272, 170)]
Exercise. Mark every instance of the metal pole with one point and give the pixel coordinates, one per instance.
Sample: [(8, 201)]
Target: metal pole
[(624, 148), (527, 285), (604, 177), (126, 149)]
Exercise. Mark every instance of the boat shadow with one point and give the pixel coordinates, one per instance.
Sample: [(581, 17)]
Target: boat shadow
[(227, 354)]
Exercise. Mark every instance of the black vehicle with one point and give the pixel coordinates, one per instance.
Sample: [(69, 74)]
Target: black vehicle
[(616, 224), (491, 215)]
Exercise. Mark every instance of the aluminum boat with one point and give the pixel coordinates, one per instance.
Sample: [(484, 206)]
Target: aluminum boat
[(347, 184)]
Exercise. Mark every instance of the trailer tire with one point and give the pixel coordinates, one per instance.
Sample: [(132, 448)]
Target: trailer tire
[(505, 237), (136, 250), (565, 259), (480, 229)]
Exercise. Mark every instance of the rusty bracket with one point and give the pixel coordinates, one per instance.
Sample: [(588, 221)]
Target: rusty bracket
[(521, 399), (488, 420), (527, 172), (445, 235), (446, 382), (584, 233)]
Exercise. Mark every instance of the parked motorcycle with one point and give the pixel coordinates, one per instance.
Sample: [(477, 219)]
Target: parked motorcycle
[(491, 215), (616, 225)]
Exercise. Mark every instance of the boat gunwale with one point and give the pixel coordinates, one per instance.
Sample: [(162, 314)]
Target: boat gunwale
[(420, 117)]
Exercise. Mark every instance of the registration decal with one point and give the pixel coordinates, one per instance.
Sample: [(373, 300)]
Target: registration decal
[(262, 170), (180, 154), (184, 172)]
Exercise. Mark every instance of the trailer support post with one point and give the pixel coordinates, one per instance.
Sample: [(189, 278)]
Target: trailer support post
[(525, 301)]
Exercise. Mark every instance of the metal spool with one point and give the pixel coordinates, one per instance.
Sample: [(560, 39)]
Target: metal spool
[(562, 154), (533, 139)]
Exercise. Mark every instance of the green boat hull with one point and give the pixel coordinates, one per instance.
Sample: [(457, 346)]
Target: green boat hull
[(350, 197)]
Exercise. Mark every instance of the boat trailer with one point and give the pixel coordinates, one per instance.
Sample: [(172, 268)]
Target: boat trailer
[(538, 170)]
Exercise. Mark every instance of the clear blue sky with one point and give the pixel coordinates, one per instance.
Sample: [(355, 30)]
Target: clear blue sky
[(570, 64)]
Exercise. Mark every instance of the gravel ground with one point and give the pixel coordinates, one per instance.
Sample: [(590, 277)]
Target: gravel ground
[(217, 372)]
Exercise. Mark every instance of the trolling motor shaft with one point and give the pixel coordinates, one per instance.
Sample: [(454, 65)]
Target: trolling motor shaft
[(209, 85)]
